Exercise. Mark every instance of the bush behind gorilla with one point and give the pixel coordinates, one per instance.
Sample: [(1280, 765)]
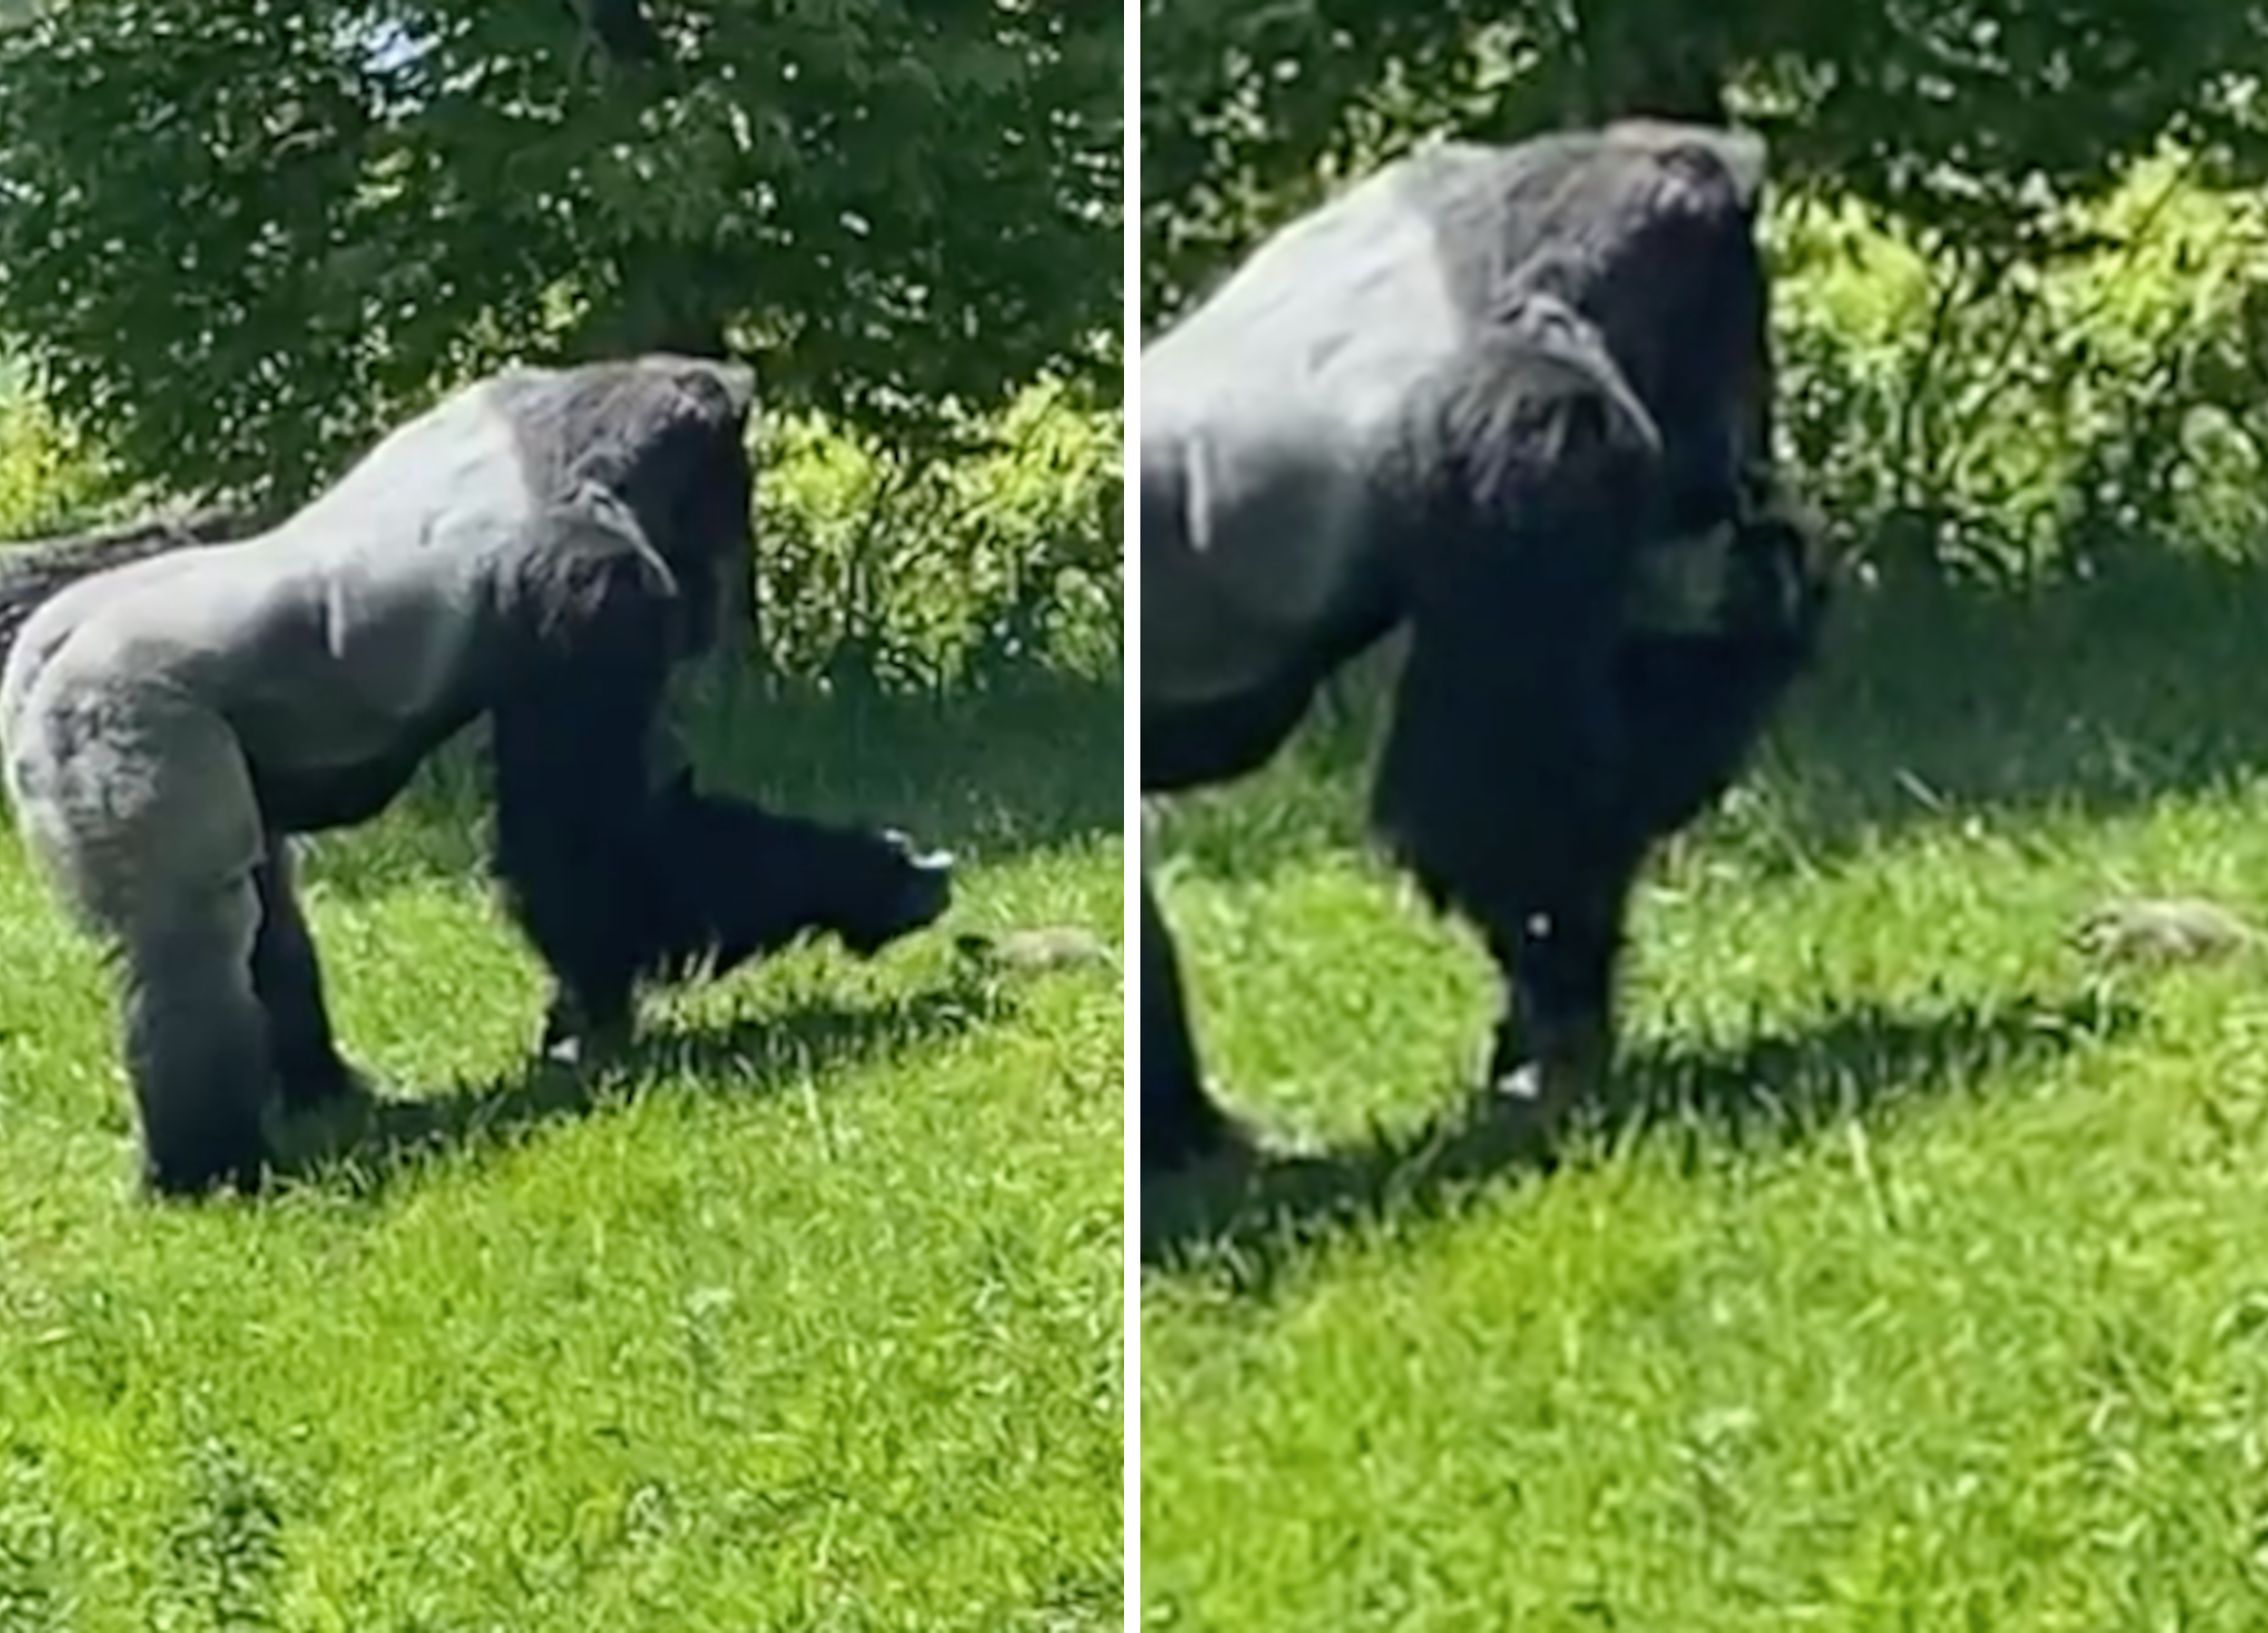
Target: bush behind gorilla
[(541, 549), (1515, 400)]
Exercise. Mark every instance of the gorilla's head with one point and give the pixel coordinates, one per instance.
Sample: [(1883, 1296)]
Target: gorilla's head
[(769, 880)]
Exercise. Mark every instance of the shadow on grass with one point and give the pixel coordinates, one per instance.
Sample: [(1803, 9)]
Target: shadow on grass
[(2095, 698), (754, 1056), (991, 775), (1250, 1221)]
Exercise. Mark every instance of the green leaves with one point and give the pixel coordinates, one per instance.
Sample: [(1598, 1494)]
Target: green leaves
[(1975, 118), (238, 237)]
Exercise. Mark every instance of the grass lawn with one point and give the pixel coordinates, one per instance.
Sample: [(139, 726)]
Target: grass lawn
[(810, 1321), (1923, 1280)]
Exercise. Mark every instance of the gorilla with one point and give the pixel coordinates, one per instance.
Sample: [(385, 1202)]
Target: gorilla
[(541, 549), (1512, 402), (33, 570)]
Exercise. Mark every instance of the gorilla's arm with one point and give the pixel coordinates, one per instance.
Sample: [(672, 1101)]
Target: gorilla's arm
[(1503, 761), (742, 881), (575, 846), (614, 878)]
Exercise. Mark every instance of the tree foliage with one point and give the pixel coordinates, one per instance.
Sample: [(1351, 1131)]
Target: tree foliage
[(1981, 119), (240, 235)]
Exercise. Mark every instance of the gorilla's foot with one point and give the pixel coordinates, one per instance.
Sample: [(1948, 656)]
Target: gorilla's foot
[(185, 1157), (1562, 1071), (571, 1037), (302, 1129), (1225, 1155), (323, 1081), (1170, 1151), (199, 1097), (1182, 1125)]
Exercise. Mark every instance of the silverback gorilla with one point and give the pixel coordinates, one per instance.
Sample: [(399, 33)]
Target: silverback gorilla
[(1513, 401), (541, 549)]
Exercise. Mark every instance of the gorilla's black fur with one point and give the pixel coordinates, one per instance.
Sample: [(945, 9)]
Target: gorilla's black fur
[(1178, 1120), (741, 882), (1515, 401), (543, 549)]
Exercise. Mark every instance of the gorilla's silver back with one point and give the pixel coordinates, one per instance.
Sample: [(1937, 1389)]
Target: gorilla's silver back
[(1271, 419), (324, 618)]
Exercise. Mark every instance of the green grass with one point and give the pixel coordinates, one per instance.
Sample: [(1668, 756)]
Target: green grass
[(809, 1320), (1919, 1279)]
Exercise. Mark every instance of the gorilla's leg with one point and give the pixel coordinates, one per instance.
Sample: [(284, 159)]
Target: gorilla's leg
[(1185, 746), (574, 826), (138, 805), (196, 1045), (1556, 1042), (1179, 1124), (289, 981)]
